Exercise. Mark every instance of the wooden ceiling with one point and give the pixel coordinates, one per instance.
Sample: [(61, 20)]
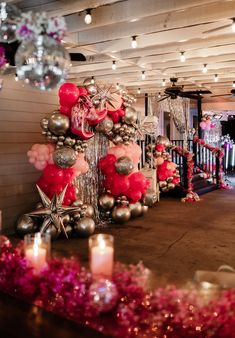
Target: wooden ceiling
[(164, 28)]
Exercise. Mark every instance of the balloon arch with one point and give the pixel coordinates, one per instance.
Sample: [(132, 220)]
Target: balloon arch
[(85, 114)]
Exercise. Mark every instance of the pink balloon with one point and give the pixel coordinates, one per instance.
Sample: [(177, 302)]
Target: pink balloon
[(203, 125), (208, 121), (40, 165), (117, 151), (208, 127), (117, 103), (159, 160)]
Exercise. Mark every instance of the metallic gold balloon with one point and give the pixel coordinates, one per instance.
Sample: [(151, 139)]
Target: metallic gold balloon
[(87, 81), (77, 203), (149, 198), (131, 116), (58, 124), (92, 89), (53, 232), (69, 230), (162, 184), (89, 211), (84, 227), (163, 140), (105, 126), (44, 123), (65, 157), (25, 225), (117, 139), (121, 214), (124, 165), (136, 209), (144, 209), (106, 201), (171, 185)]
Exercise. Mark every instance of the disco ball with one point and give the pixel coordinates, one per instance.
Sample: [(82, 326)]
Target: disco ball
[(42, 62), (8, 15)]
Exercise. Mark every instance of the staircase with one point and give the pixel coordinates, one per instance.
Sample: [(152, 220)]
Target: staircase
[(200, 167)]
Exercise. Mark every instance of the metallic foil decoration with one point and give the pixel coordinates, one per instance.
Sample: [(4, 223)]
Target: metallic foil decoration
[(90, 185)]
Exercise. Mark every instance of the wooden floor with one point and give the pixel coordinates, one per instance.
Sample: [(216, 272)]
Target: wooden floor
[(173, 240)]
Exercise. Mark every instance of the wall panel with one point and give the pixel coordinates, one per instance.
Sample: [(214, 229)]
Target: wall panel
[(21, 109)]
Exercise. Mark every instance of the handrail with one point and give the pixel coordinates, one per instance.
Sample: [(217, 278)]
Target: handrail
[(212, 164)]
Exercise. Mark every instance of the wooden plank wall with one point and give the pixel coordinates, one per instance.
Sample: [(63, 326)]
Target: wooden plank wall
[(21, 109)]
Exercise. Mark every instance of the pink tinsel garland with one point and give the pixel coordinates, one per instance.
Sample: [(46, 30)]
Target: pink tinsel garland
[(63, 288)]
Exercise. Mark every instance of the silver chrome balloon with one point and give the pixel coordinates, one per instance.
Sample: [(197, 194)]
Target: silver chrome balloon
[(106, 201), (64, 157), (121, 214), (84, 227), (124, 165), (58, 124)]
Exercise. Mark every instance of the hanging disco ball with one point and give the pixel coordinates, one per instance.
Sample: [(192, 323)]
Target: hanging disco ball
[(43, 62), (8, 16)]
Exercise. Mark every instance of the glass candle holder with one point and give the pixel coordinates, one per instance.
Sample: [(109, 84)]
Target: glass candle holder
[(37, 249), (101, 253)]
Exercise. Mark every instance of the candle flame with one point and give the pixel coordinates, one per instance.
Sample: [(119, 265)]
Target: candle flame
[(36, 244), (102, 244)]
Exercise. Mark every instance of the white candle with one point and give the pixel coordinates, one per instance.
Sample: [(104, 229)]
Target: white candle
[(36, 256), (101, 259)]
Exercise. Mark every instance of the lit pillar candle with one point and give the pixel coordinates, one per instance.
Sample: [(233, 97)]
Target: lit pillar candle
[(36, 251), (101, 256)]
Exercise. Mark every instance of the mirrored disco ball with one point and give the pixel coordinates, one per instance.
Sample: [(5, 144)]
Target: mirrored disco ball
[(8, 15), (43, 62)]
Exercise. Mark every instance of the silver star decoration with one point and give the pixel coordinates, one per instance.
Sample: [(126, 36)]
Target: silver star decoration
[(105, 95), (53, 211)]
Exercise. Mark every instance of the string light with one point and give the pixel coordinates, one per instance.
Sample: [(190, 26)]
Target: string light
[(114, 66), (16, 77), (138, 91), (233, 85), (159, 95), (143, 75), (204, 69), (117, 86), (92, 80), (233, 25), (134, 41), (163, 83), (182, 57), (216, 78), (88, 17)]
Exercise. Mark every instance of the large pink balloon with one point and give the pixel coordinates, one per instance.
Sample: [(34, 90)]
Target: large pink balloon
[(116, 103)]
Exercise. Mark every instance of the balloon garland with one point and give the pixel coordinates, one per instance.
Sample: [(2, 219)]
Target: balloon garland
[(83, 112), (157, 156)]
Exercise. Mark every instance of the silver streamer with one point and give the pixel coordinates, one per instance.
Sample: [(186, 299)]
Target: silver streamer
[(90, 185)]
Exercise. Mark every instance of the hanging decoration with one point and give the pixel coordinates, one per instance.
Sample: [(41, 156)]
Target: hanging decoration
[(121, 307), (9, 14), (79, 131)]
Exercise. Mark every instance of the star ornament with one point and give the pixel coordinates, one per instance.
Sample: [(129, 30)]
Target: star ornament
[(105, 95), (53, 211)]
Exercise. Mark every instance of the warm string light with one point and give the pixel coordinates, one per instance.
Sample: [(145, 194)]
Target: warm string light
[(204, 69), (182, 57), (117, 86), (134, 41), (233, 84), (216, 78), (159, 95), (16, 77), (92, 80), (233, 25), (88, 17), (143, 75), (138, 91), (163, 83), (114, 66)]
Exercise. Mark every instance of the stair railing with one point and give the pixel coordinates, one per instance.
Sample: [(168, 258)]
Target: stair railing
[(209, 159)]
